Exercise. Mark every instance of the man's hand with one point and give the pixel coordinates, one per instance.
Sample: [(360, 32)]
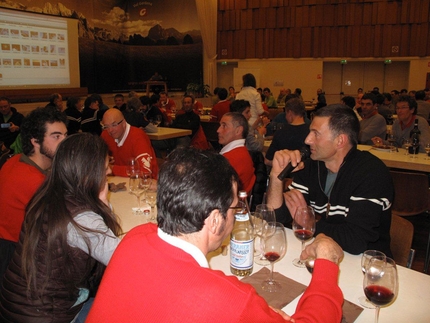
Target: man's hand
[(283, 157), (293, 200), (285, 316), (13, 127), (323, 247), (377, 141)]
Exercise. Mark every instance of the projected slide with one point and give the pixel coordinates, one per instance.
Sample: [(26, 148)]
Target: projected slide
[(33, 51)]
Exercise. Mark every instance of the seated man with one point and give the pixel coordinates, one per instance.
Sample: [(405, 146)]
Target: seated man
[(119, 102), (55, 101), (163, 274), (41, 132), (232, 132), (373, 124), (269, 99), (166, 105), (10, 120), (292, 135), (223, 105), (125, 142), (186, 118), (136, 119), (350, 190)]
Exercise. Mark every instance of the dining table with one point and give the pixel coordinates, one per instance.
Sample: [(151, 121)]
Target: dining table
[(410, 305), (164, 133)]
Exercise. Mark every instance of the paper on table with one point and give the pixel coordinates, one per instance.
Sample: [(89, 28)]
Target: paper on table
[(290, 290)]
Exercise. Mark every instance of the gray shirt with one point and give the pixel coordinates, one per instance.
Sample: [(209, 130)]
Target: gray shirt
[(405, 133), (374, 126)]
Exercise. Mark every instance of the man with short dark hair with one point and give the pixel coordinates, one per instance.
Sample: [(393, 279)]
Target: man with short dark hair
[(41, 132), (350, 190), (119, 102), (55, 101), (10, 120), (166, 105), (373, 124), (269, 98), (232, 132), (163, 273)]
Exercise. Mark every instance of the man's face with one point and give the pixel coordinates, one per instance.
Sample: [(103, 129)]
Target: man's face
[(55, 133), (187, 104), (367, 107), (119, 101), (319, 91), (266, 93), (227, 226), (94, 105), (320, 140), (5, 108), (59, 103), (227, 131), (283, 92), (403, 112), (114, 124), (163, 98), (247, 113), (358, 99)]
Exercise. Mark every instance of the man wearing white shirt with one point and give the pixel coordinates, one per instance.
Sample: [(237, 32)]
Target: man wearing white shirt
[(232, 132)]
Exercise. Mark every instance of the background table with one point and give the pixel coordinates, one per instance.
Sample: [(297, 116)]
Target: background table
[(150, 83), (168, 133)]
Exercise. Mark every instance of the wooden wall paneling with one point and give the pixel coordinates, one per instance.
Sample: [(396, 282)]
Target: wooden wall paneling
[(249, 19), (283, 38), (413, 45), (425, 11), (299, 17), (219, 20), (230, 4), (334, 31), (428, 41), (243, 18), (291, 16), (280, 17), (312, 16), (277, 36), (221, 5), (341, 42), (423, 36), (234, 20), (241, 4), (253, 4), (270, 17), (255, 18), (377, 40), (386, 41), (239, 44), (226, 42), (328, 15), (349, 43), (366, 43), (297, 42), (358, 13), (404, 12), (316, 42), (305, 18), (265, 3), (306, 42), (392, 13), (356, 41), (367, 13), (251, 43), (226, 20), (268, 43), (340, 16), (414, 12), (325, 41), (319, 15), (375, 18), (259, 48), (405, 39), (262, 18), (290, 42), (395, 39), (275, 3)]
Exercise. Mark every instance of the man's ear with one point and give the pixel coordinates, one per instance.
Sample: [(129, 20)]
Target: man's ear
[(213, 221), (35, 142)]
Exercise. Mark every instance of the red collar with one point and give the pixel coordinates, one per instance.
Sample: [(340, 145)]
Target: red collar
[(403, 126)]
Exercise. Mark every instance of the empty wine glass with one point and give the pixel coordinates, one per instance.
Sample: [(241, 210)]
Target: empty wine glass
[(392, 141), (427, 149), (407, 143), (152, 201), (274, 248), (132, 166), (365, 259), (263, 222), (146, 181), (380, 282), (304, 228), (136, 188)]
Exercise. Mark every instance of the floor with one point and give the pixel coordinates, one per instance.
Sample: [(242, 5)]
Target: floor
[(421, 224)]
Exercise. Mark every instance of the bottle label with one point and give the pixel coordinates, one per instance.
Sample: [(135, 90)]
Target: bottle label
[(241, 217), (241, 254)]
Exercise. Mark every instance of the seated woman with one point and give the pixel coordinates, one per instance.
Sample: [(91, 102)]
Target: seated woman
[(67, 238)]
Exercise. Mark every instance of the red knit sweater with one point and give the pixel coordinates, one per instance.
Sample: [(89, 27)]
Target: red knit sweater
[(242, 163)]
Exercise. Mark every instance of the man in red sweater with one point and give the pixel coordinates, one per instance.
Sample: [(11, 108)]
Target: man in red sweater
[(162, 274), (232, 132), (125, 142), (222, 107), (41, 132)]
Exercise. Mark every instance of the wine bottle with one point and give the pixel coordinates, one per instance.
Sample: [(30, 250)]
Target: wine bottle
[(415, 139), (242, 240)]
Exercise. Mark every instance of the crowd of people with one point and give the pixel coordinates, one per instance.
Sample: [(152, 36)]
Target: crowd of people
[(58, 232)]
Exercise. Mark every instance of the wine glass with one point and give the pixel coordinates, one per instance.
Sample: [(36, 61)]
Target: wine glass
[(152, 201), (146, 181), (132, 166), (392, 141), (274, 248), (365, 258), (427, 149), (380, 282), (407, 143), (263, 222), (136, 188), (304, 228)]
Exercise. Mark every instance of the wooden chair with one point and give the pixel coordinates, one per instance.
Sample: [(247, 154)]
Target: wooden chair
[(402, 232)]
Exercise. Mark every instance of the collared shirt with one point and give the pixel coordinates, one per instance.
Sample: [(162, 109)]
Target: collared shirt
[(232, 145), (189, 248), (121, 142)]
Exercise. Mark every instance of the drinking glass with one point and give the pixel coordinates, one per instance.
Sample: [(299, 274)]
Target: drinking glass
[(152, 201), (392, 142), (407, 143), (146, 181), (136, 187), (132, 166), (304, 228), (263, 222), (427, 149), (274, 248), (365, 259), (380, 282)]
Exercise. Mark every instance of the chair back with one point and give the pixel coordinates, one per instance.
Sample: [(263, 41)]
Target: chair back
[(411, 193), (401, 233), (4, 157), (260, 184), (199, 140)]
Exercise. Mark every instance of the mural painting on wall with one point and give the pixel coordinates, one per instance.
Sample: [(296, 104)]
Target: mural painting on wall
[(123, 43)]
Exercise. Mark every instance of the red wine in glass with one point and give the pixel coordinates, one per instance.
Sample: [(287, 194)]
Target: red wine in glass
[(303, 235), (378, 295), (303, 228), (271, 256)]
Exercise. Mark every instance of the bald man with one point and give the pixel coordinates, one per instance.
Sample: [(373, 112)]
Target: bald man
[(127, 142)]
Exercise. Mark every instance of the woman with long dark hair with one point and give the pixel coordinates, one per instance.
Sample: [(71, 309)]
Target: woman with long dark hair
[(250, 94), (67, 238)]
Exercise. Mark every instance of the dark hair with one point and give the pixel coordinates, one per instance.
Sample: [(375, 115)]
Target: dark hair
[(53, 97), (74, 183), (222, 93), (249, 80), (96, 97), (403, 91), (3, 98), (369, 96), (188, 191), (349, 101), (297, 106), (342, 120), (155, 98), (396, 92), (387, 96), (239, 106), (266, 89), (188, 95), (145, 100), (72, 101), (420, 95), (410, 100), (134, 104), (34, 126), (298, 91), (119, 95), (239, 121)]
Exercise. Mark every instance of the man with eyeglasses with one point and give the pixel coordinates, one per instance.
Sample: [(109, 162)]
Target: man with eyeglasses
[(351, 191), (127, 142), (406, 109)]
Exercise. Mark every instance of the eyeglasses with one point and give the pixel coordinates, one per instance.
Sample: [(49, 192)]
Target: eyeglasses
[(113, 125), (402, 108)]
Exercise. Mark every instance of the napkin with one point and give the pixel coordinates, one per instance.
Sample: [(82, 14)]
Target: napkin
[(290, 290), (117, 187)]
